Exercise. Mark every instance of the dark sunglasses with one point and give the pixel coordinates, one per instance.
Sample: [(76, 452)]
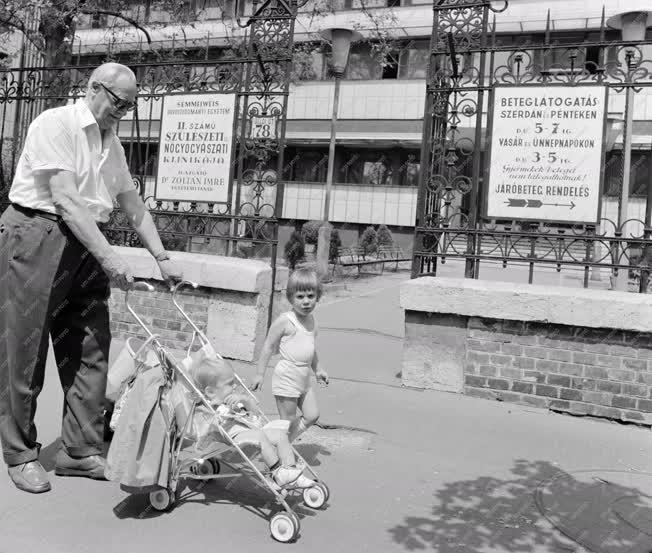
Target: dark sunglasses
[(118, 103)]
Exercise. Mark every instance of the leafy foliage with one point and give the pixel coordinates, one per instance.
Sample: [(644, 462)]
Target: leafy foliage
[(50, 25), (294, 250), (310, 232), (335, 245), (385, 237), (369, 240)]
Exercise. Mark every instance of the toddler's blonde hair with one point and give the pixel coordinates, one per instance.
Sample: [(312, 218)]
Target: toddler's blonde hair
[(303, 280)]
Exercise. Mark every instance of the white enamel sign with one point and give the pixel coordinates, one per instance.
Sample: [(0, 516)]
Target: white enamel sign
[(196, 139), (546, 153)]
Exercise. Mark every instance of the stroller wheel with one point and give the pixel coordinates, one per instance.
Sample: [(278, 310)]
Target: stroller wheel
[(207, 467), (284, 527), (161, 500), (215, 464), (315, 497), (326, 490)]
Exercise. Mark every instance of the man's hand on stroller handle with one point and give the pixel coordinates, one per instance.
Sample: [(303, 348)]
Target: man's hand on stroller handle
[(170, 271)]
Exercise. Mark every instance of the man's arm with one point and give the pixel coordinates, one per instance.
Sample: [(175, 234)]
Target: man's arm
[(74, 212), (141, 220)]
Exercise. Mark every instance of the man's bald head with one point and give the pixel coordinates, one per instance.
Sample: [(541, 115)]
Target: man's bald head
[(112, 89), (113, 74)]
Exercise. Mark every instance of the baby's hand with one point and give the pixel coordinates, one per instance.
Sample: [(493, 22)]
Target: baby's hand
[(235, 401)]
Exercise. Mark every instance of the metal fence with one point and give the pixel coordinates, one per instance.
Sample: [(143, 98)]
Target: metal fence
[(468, 62), (257, 70)]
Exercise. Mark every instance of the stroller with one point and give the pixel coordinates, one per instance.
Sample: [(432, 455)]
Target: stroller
[(178, 461)]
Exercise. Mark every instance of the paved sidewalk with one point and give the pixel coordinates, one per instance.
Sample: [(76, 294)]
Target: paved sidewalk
[(408, 470)]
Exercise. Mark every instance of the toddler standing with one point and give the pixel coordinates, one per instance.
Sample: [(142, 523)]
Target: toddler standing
[(293, 335)]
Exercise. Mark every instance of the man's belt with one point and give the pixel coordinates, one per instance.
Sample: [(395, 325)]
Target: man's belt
[(29, 212)]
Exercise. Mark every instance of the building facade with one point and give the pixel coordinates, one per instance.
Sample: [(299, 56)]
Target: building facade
[(380, 119)]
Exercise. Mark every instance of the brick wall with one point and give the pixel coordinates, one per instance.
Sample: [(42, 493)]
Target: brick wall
[(159, 313), (243, 317), (584, 371)]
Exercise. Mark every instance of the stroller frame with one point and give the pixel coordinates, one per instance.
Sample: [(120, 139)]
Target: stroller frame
[(284, 525)]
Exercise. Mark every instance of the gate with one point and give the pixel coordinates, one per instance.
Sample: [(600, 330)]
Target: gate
[(470, 66), (257, 71)]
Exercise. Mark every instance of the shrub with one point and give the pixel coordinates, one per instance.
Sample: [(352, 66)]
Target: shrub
[(310, 232), (335, 245), (369, 241), (385, 237), (294, 250), (174, 243)]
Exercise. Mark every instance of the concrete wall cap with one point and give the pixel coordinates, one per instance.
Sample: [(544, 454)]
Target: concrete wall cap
[(529, 302), (212, 271)]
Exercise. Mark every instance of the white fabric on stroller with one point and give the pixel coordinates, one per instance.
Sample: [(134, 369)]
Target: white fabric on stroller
[(139, 456)]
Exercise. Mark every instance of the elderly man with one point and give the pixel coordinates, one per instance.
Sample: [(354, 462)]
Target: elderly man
[(56, 268)]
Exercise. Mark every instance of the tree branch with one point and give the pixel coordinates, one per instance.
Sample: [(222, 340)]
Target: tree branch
[(14, 23), (129, 20)]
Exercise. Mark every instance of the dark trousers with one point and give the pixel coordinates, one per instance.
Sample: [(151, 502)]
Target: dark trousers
[(50, 285)]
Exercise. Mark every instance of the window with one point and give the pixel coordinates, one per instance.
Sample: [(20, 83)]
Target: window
[(390, 65), (99, 21), (409, 173), (308, 62), (592, 59), (362, 64), (370, 167), (142, 157), (560, 58), (414, 60), (378, 173), (303, 165), (639, 175)]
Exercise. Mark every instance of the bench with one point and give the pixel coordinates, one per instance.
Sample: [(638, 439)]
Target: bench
[(354, 256), (392, 254)]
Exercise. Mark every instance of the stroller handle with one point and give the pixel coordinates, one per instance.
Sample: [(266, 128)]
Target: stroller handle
[(142, 285), (146, 287), (175, 291)]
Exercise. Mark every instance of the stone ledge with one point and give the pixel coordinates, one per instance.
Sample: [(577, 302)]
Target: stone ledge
[(211, 271), (529, 302)]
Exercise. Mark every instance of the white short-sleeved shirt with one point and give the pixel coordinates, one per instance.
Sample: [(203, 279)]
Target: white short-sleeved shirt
[(68, 138)]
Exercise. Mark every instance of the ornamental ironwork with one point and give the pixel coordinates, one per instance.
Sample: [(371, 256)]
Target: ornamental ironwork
[(468, 60), (257, 70)]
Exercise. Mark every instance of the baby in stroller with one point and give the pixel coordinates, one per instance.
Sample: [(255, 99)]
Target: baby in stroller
[(234, 415)]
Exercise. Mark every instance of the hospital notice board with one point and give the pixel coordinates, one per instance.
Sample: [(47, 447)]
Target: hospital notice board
[(195, 148), (546, 153)]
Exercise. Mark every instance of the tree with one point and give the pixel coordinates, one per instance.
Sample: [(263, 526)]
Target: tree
[(310, 232), (50, 25), (335, 245), (369, 241), (385, 237), (294, 250)]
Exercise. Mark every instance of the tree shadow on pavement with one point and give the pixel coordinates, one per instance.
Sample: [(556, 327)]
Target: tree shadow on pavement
[(541, 508)]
